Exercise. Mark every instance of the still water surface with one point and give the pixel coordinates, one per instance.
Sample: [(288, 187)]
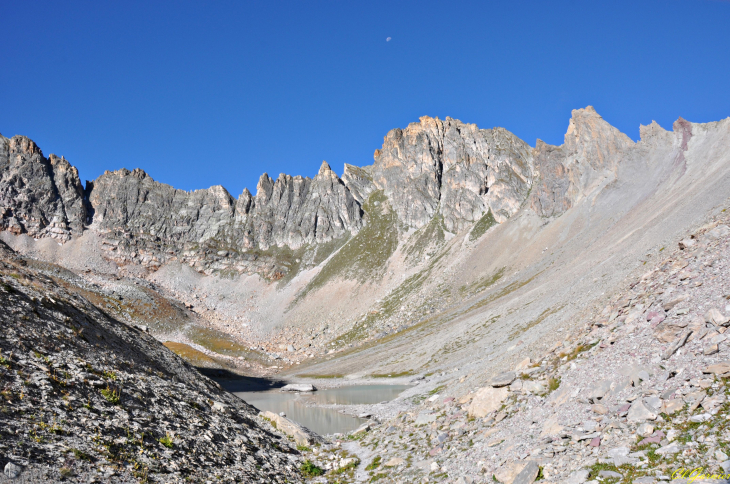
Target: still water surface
[(322, 420)]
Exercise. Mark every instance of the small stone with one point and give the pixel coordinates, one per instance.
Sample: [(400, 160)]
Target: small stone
[(645, 429), (640, 412), (611, 474), (528, 474), (595, 442), (12, 471), (503, 379), (298, 387), (721, 456), (396, 461), (599, 409)]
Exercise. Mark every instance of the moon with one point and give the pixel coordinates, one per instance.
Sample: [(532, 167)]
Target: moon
[(388, 39)]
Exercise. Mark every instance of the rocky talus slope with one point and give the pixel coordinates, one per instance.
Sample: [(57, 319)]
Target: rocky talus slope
[(636, 393), (86, 398)]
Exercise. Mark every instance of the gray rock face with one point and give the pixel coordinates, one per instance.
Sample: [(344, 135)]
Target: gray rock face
[(434, 168), (40, 196), (452, 169), (294, 211), (588, 159)]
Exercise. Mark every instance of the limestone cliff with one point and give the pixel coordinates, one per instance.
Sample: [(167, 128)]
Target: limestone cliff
[(431, 168), (454, 169)]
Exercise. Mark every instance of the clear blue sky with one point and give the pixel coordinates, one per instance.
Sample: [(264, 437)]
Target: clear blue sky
[(206, 93)]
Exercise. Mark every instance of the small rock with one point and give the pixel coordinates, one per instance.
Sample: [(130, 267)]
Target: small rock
[(640, 412), (611, 474), (645, 429), (599, 409), (503, 379), (528, 474), (396, 461), (298, 387), (12, 470)]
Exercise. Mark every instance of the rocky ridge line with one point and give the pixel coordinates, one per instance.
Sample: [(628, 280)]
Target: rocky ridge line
[(434, 168)]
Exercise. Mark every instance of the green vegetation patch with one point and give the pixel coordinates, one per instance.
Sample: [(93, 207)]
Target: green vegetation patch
[(309, 469), (480, 228), (193, 356), (363, 258), (430, 236), (482, 283)]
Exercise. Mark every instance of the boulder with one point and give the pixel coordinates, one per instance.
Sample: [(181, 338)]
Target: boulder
[(486, 401), (640, 412), (719, 369), (528, 474), (503, 379), (298, 387), (300, 434), (715, 317)]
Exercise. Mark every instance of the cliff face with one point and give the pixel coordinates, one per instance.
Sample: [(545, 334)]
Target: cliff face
[(435, 167), (40, 196), (294, 211), (453, 169), (588, 158)]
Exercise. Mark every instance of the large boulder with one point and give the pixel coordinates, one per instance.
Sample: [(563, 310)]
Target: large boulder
[(486, 401)]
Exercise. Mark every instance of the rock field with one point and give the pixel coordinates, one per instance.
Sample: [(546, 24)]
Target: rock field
[(638, 393), (86, 398)]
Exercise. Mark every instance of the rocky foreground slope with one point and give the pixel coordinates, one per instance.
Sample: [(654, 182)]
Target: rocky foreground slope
[(86, 398), (636, 393)]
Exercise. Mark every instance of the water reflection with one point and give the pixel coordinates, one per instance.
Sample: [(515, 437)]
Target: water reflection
[(358, 394), (322, 420)]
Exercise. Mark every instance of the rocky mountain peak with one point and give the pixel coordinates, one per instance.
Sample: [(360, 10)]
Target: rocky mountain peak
[(449, 167), (588, 158)]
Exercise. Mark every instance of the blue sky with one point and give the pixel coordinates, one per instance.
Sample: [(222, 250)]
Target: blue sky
[(206, 93)]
